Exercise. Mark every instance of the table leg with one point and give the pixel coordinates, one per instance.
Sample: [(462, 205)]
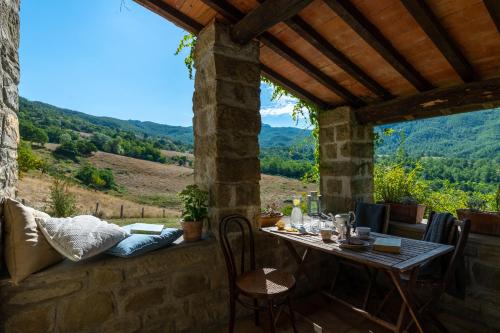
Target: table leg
[(407, 299), (298, 259)]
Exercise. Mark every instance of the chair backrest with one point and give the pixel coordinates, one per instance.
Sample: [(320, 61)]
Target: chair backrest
[(457, 236), (371, 215), (234, 225)]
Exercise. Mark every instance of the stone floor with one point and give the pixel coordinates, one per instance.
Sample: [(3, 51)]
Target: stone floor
[(315, 316)]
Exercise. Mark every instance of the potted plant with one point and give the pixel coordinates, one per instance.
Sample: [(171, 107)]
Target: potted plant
[(402, 190), (195, 202), (482, 221), (270, 216)]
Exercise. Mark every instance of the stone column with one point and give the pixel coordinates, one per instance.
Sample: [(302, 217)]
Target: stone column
[(9, 101), (346, 160), (227, 122)]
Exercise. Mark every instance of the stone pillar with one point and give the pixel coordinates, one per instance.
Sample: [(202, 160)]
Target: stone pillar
[(227, 122), (346, 160), (9, 101)]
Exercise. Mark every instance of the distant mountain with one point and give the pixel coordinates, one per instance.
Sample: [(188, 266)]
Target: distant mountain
[(269, 136), (469, 135)]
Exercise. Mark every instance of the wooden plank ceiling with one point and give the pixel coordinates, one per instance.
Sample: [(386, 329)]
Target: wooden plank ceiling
[(390, 59)]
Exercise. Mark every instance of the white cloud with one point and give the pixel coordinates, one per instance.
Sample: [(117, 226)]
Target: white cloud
[(282, 106)]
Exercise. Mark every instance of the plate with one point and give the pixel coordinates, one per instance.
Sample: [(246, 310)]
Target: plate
[(275, 229), (364, 245)]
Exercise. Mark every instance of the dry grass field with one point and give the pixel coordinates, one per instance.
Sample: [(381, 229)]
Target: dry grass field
[(151, 185)]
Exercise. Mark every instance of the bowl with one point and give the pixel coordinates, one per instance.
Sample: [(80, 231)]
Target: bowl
[(269, 220)]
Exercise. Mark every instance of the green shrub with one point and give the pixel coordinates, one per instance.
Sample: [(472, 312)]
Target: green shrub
[(397, 184), (27, 160), (62, 203), (96, 177), (195, 202)]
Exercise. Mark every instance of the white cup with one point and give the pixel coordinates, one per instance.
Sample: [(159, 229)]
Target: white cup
[(363, 231)]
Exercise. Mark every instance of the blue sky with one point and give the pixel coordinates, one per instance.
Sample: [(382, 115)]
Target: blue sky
[(96, 57)]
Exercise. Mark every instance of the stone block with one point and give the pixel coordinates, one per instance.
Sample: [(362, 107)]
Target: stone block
[(237, 120), (343, 132), (127, 324), (235, 145), (237, 169), (40, 318), (328, 151), (143, 299), (105, 277), (486, 276), (326, 135), (247, 194), (85, 312), (356, 150), (237, 70), (237, 95), (10, 130), (44, 293), (189, 283)]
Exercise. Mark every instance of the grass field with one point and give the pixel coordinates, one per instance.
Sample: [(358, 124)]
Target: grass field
[(141, 183)]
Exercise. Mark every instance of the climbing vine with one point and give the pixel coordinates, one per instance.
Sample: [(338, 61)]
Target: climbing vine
[(301, 109)]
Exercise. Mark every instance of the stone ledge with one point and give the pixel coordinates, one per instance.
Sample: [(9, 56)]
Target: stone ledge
[(69, 268)]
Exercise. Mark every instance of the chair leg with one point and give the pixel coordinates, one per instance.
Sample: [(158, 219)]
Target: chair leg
[(256, 312), (271, 315), (373, 280), (232, 313), (292, 315)]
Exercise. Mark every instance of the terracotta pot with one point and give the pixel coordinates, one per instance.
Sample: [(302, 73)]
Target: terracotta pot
[(487, 223), (192, 230), (268, 221), (412, 213)]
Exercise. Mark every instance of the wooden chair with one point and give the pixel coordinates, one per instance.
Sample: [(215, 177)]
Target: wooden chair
[(263, 285), (436, 286), (380, 226)]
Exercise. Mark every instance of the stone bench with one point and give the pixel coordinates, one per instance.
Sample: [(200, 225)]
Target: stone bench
[(177, 289)]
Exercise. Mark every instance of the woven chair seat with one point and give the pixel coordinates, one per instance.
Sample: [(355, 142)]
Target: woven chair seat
[(265, 282)]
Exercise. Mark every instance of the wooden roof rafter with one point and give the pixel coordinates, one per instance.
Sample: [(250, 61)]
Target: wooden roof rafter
[(493, 7), (263, 17), (233, 14), (371, 34), (435, 31)]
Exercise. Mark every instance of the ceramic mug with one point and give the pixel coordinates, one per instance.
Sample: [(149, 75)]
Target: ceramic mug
[(363, 231)]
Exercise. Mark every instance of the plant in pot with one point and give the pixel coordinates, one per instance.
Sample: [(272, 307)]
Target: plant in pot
[(482, 221), (270, 215), (195, 202), (402, 190)]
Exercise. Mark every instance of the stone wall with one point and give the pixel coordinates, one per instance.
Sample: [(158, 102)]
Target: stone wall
[(346, 160), (480, 311), (226, 106), (9, 102), (178, 289)]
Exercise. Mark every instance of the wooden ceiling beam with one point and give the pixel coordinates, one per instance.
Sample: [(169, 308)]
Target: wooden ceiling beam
[(473, 96), (264, 16), (493, 7), (233, 14), (314, 38), (172, 14), (294, 88), (438, 35), (370, 33)]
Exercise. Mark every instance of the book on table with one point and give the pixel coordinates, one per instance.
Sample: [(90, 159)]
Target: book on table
[(146, 228), (383, 244)]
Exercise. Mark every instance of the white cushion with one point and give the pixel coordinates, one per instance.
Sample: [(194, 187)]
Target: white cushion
[(80, 237)]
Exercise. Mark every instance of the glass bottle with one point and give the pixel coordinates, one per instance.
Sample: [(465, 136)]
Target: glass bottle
[(297, 219)]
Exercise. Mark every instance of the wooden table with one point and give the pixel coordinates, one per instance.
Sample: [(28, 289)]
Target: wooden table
[(413, 254)]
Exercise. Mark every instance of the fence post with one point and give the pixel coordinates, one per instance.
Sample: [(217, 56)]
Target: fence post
[(142, 212), (96, 208), (163, 212), (121, 211)]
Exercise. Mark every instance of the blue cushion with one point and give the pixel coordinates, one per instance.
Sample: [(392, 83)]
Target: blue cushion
[(137, 244)]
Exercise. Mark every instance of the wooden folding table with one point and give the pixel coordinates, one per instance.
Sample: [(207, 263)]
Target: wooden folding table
[(413, 254)]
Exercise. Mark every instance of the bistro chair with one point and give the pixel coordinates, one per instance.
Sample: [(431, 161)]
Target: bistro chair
[(375, 216), (249, 285), (440, 278)]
